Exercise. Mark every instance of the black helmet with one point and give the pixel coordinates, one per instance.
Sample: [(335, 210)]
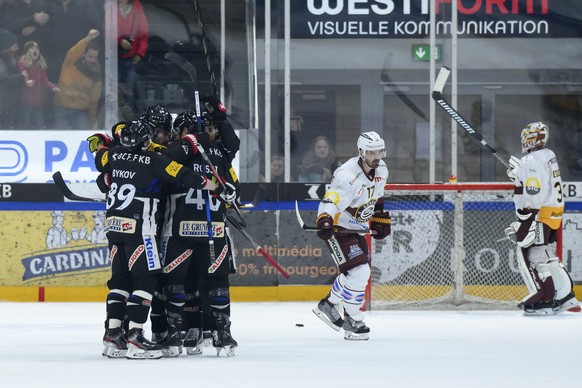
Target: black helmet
[(136, 133), (158, 117), (187, 119)]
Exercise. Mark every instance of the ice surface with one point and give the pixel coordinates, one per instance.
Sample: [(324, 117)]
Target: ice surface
[(59, 345)]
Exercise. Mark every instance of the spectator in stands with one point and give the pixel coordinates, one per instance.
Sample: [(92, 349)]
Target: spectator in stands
[(34, 96), (80, 84), (11, 80), (26, 19), (277, 169), (69, 22), (319, 163), (132, 40)]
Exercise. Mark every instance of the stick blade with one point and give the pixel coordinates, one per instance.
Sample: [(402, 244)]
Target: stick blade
[(441, 81), (299, 219), (179, 60)]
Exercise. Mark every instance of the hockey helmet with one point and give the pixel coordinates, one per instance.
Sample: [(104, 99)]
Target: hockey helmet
[(136, 133), (371, 141), (186, 119), (158, 117), (534, 136)]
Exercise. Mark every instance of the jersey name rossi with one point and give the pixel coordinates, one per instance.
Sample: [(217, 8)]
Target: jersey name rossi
[(200, 229)]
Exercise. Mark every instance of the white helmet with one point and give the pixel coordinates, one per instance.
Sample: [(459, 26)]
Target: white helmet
[(534, 136), (371, 141)]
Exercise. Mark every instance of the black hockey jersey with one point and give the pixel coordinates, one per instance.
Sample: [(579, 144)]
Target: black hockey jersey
[(187, 210), (137, 177)]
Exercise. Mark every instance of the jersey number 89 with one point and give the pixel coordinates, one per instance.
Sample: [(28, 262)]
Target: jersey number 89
[(125, 194)]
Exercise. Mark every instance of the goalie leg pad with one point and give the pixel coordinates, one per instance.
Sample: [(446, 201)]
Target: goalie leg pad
[(524, 271), (538, 266), (562, 281)]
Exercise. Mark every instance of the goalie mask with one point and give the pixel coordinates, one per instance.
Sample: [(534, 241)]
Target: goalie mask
[(534, 136), (371, 144)]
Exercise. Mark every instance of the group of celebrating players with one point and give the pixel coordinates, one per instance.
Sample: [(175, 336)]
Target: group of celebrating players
[(168, 184)]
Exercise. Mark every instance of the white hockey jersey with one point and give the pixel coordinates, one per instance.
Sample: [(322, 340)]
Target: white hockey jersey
[(351, 195), (540, 177)]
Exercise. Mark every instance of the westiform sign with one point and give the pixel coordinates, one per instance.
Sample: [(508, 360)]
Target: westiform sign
[(411, 18)]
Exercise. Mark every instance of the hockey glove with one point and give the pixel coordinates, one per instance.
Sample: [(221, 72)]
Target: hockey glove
[(325, 226), (514, 164), (214, 107), (191, 141), (228, 193), (380, 223), (97, 141), (526, 229)]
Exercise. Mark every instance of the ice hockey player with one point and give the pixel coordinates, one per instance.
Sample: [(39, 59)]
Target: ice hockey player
[(132, 202), (160, 119), (353, 200), (199, 260), (539, 205)]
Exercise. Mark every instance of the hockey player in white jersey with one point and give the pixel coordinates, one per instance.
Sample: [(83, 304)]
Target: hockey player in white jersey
[(539, 205), (354, 200)]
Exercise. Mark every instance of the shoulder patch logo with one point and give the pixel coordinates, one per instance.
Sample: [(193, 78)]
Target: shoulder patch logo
[(173, 168), (332, 196)]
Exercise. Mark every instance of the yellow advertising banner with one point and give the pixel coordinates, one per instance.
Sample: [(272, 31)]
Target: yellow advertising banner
[(54, 248)]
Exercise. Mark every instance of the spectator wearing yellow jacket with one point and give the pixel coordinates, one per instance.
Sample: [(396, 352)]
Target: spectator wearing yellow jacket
[(80, 84)]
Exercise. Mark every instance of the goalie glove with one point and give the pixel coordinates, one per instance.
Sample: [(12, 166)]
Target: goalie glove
[(324, 226), (514, 164), (97, 141), (380, 223), (526, 228)]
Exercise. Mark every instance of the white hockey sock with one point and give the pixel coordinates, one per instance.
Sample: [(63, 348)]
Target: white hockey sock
[(350, 289)]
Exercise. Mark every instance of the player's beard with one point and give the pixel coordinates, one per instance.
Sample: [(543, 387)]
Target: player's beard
[(373, 164)]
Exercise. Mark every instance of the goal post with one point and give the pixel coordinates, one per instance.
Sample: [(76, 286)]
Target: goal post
[(447, 249)]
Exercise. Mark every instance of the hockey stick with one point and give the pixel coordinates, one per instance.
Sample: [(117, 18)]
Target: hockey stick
[(62, 186), (179, 60), (336, 229), (240, 228), (260, 194), (205, 47), (191, 71), (437, 95)]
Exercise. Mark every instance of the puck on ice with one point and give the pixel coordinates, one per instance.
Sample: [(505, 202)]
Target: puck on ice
[(299, 324)]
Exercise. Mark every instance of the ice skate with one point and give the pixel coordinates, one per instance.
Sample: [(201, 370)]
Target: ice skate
[(355, 330), (567, 303), (193, 341), (140, 348), (115, 344), (538, 309), (207, 338), (170, 341), (221, 337), (328, 313)]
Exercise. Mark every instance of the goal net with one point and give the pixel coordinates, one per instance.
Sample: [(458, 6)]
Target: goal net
[(447, 248)]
